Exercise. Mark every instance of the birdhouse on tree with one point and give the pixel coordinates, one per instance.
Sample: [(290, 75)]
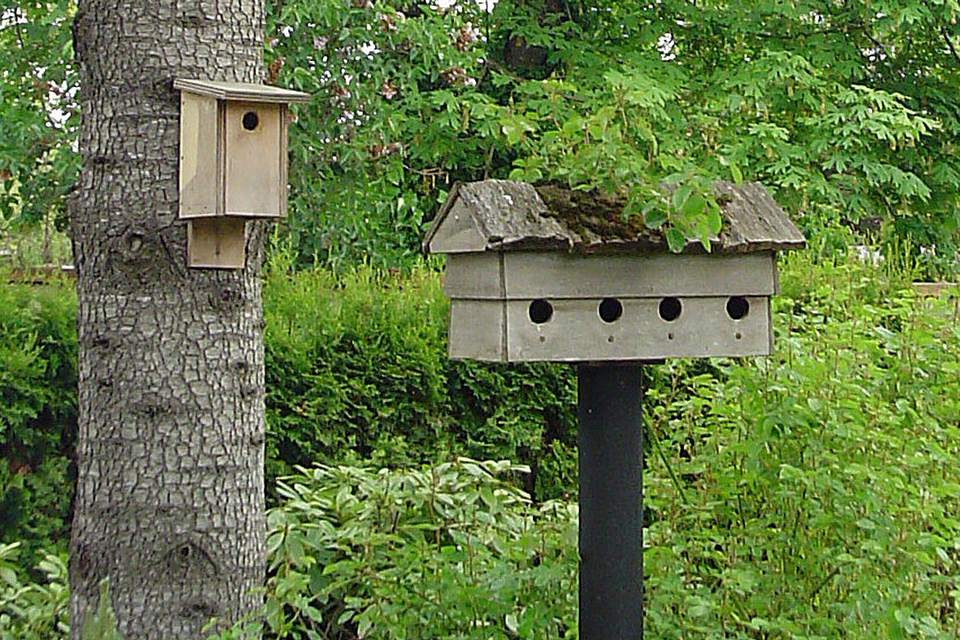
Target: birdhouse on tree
[(233, 164), (552, 274)]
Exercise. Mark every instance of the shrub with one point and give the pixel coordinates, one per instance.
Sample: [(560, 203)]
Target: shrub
[(38, 416), (33, 610), (357, 369), (450, 551)]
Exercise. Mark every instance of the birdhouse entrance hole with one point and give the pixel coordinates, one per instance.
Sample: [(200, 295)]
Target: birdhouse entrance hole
[(610, 310), (251, 120), (738, 307), (670, 309), (540, 311)]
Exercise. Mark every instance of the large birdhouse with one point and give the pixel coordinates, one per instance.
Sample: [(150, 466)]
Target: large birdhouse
[(550, 274), (233, 164)]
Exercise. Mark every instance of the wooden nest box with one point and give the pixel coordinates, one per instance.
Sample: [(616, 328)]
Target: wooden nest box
[(233, 164), (551, 274)]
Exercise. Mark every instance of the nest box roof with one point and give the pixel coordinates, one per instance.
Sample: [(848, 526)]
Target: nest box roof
[(240, 91), (501, 215)]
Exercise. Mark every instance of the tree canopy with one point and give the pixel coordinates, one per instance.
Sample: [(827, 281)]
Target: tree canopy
[(849, 111)]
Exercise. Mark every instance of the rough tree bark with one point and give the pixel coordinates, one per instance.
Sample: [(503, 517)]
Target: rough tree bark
[(169, 501)]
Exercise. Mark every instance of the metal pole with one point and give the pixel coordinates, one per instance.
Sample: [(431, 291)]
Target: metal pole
[(611, 502)]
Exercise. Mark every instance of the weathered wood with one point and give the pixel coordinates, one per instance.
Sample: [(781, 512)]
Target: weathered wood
[(753, 221), (200, 170), (477, 330), (459, 234), (577, 334), (517, 216), (240, 91), (524, 275), (253, 162), (216, 243), (503, 212), (233, 150), (530, 275), (477, 276)]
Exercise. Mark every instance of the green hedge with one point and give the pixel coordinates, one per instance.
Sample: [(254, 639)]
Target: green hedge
[(38, 355), (356, 369), (357, 366)]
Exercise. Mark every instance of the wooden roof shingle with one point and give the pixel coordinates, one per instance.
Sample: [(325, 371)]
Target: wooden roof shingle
[(503, 215)]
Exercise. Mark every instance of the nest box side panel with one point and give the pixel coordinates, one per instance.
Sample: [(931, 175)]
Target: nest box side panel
[(216, 243), (253, 173), (696, 327), (284, 190), (477, 330), (552, 275), (200, 171), (475, 276)]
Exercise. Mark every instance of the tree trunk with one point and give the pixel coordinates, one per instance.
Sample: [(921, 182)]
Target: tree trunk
[(169, 501)]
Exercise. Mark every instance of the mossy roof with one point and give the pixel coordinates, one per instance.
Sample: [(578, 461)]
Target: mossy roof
[(502, 215)]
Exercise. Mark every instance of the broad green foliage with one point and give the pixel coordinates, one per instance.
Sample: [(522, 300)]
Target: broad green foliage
[(452, 551), (847, 111), (813, 494), (33, 610), (38, 116)]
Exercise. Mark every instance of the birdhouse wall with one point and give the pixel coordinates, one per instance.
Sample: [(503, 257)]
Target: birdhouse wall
[(577, 333), (528, 275), (478, 330), (216, 243), (540, 306), (256, 160), (498, 331), (201, 174), (459, 234)]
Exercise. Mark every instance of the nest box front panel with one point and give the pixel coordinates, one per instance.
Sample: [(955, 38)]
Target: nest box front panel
[(216, 243), (539, 306), (611, 329), (255, 160)]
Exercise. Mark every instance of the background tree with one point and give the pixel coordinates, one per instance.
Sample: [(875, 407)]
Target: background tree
[(848, 111), (169, 501), (38, 123)]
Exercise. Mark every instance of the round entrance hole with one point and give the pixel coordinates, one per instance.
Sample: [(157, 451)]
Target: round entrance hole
[(251, 120), (670, 309), (540, 311), (738, 307), (610, 310)]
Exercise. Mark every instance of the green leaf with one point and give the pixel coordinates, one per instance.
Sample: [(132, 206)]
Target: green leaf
[(735, 173), (714, 220), (694, 206), (654, 217), (676, 241)]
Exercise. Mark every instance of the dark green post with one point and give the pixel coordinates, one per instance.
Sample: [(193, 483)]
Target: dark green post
[(611, 502)]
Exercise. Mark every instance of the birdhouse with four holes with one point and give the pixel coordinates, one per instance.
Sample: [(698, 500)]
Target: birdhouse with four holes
[(552, 274), (233, 164)]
